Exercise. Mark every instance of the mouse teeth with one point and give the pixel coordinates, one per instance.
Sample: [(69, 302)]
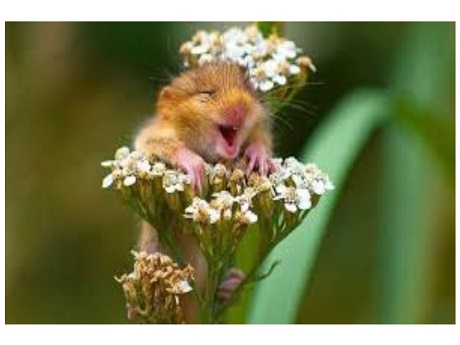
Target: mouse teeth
[(228, 133)]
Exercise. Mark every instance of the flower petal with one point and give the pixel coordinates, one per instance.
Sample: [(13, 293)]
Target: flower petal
[(129, 180), (280, 79), (291, 207), (143, 166), (107, 163), (318, 187), (183, 287), (122, 153), (251, 217), (107, 181), (266, 85), (213, 216)]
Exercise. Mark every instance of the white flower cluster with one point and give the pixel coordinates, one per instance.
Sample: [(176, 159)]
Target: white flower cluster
[(293, 183), (270, 62), (128, 166), (221, 208), (296, 183)]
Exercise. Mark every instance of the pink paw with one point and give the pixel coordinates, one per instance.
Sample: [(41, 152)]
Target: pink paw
[(258, 159), (233, 279), (131, 312), (193, 165)]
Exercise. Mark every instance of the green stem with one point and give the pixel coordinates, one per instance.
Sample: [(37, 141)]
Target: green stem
[(251, 277)]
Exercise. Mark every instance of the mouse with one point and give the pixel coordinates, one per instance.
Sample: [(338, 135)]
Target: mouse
[(210, 113)]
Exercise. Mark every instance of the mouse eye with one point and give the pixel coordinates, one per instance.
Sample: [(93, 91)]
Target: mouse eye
[(209, 92), (206, 95)]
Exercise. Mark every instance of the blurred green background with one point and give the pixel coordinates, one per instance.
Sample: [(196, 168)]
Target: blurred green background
[(77, 91)]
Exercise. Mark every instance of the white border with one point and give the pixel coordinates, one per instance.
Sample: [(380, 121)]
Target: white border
[(232, 10)]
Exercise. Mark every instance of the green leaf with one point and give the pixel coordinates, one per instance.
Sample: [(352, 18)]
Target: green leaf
[(268, 28), (412, 182), (435, 133), (335, 147)]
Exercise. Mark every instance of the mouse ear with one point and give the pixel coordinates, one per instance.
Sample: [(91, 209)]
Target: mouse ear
[(165, 94)]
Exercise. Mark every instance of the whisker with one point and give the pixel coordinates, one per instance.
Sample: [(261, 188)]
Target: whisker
[(301, 110), (303, 106), (160, 79), (174, 56), (292, 88), (282, 121)]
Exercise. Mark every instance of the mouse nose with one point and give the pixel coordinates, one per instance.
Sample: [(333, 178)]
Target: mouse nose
[(235, 114)]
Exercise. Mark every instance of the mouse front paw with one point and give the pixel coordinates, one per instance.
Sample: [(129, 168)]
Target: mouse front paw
[(232, 281), (258, 159), (193, 165)]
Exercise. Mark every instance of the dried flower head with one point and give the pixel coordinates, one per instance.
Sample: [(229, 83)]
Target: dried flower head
[(152, 290)]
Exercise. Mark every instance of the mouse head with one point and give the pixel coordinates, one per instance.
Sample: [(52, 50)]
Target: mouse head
[(213, 108)]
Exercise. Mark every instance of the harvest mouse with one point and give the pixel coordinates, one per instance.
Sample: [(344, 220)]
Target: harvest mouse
[(207, 114)]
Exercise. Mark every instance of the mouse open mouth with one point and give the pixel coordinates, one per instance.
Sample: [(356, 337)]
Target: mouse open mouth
[(228, 133)]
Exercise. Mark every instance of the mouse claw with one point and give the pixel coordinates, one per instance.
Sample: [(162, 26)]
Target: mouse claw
[(258, 159), (131, 312), (232, 281), (194, 167)]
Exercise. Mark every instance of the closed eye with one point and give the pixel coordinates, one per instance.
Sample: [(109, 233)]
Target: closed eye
[(206, 95)]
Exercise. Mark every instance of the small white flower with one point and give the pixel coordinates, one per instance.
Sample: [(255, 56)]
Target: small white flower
[(318, 187), (287, 49), (173, 181), (196, 202), (299, 181), (247, 61), (223, 199), (214, 216), (158, 169), (259, 49), (266, 85), (129, 180), (200, 211), (329, 185), (280, 79), (294, 165), (205, 58), (294, 69), (303, 199), (270, 68), (294, 198), (143, 166), (245, 199), (107, 181), (182, 287), (263, 185), (219, 170), (249, 217), (122, 153), (198, 50)]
